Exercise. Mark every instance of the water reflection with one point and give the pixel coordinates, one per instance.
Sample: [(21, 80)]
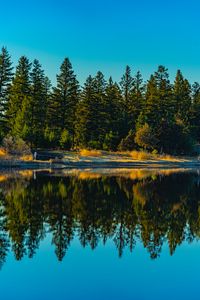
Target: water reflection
[(150, 207)]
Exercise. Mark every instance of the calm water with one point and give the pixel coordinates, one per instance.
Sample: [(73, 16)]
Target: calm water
[(89, 235)]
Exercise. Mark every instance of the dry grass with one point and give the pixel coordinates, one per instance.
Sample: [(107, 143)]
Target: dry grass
[(88, 175), (141, 155), (94, 153)]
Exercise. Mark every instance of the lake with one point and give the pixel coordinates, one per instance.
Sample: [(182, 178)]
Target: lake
[(100, 234)]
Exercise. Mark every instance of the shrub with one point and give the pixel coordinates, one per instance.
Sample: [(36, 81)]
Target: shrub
[(65, 140), (94, 145), (16, 146), (110, 141), (145, 137)]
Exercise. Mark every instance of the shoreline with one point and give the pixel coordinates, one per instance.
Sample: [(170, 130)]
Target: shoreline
[(93, 164)]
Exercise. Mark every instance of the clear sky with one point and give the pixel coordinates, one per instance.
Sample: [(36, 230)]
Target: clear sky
[(104, 35)]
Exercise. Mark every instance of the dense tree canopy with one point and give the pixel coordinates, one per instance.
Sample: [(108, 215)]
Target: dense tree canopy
[(102, 114)]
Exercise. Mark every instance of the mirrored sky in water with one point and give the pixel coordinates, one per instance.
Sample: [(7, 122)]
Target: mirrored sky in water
[(69, 236)]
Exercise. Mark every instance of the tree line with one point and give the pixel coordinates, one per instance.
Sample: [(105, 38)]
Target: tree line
[(123, 210), (102, 114)]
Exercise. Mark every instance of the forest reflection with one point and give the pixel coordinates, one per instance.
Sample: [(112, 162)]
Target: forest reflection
[(145, 207)]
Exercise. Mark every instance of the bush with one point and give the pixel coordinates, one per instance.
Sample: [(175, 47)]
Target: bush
[(110, 141), (145, 138), (65, 140), (94, 145), (16, 146), (50, 138)]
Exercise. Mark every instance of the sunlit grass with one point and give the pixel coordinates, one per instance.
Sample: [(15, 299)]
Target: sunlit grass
[(86, 152), (141, 155)]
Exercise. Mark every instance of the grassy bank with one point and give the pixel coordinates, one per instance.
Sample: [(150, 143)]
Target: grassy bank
[(97, 159)]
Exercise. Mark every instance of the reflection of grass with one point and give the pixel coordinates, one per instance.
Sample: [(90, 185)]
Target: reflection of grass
[(86, 152), (26, 157), (88, 175), (3, 177), (3, 152), (133, 174), (26, 173)]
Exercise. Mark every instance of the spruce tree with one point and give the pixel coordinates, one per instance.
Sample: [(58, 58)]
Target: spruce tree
[(137, 96), (126, 84), (158, 111), (182, 98), (19, 99), (64, 101), (5, 81), (38, 103), (85, 115), (195, 112), (114, 122)]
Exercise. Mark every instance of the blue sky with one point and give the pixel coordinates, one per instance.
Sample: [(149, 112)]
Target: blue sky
[(104, 35)]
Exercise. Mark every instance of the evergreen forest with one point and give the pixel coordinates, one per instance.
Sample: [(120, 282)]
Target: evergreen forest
[(154, 115)]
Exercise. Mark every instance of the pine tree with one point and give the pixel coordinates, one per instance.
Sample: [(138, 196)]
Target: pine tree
[(19, 98), (158, 112), (137, 96), (38, 104), (64, 101), (113, 119), (182, 97), (5, 81), (85, 115), (195, 112), (127, 84)]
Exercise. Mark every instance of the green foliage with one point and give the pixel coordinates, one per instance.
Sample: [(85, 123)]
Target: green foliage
[(110, 141), (5, 81), (65, 140), (145, 137), (102, 114), (50, 139), (63, 101), (20, 98), (128, 143)]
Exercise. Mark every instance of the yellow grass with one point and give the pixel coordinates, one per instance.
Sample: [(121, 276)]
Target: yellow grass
[(88, 175), (141, 155), (86, 152)]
